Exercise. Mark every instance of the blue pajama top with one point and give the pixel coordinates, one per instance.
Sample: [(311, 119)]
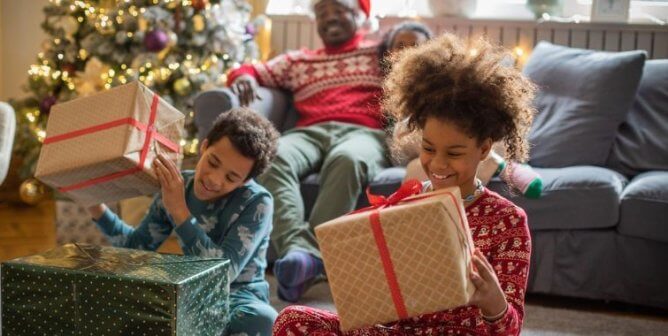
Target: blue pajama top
[(235, 227)]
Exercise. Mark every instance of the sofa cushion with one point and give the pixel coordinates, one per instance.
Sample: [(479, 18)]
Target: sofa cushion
[(642, 140), (387, 181), (644, 207), (573, 198), (583, 97), (208, 105)]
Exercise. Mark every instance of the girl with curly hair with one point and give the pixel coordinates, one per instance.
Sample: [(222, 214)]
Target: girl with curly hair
[(405, 144), (462, 102)]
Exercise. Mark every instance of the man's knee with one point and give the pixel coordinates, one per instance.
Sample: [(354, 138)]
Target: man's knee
[(284, 167), (345, 163), (279, 170)]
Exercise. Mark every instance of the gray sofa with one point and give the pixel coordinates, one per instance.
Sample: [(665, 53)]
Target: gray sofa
[(600, 230)]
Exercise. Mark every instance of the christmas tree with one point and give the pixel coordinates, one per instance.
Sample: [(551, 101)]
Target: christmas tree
[(176, 47)]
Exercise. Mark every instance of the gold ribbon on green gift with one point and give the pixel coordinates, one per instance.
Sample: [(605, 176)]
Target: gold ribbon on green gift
[(108, 260)]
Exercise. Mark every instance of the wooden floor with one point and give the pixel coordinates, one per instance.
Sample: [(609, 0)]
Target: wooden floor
[(26, 230)]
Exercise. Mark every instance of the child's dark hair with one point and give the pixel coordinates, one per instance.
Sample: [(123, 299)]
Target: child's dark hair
[(250, 133), (388, 37), (467, 84)]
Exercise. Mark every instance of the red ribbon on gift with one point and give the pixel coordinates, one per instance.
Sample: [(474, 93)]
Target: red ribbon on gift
[(149, 129), (407, 189)]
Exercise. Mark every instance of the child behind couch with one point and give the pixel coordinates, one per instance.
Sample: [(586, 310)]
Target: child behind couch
[(462, 103), (216, 211)]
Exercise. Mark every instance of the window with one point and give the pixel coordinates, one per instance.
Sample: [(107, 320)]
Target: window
[(642, 11)]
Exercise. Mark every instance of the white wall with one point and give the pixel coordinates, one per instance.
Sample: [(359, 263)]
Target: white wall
[(20, 40)]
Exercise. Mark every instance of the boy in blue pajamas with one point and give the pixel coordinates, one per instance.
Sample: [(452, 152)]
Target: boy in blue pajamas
[(218, 210)]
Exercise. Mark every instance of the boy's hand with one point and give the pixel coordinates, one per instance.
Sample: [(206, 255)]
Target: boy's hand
[(245, 87), (489, 296), (171, 186), (96, 211)]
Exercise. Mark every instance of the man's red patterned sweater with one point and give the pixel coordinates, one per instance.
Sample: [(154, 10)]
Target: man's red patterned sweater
[(329, 84)]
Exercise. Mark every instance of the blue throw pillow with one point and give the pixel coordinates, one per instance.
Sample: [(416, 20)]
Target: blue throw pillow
[(583, 97), (642, 141)]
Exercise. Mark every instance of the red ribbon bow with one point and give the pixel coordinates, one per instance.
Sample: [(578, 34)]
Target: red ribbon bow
[(407, 189)]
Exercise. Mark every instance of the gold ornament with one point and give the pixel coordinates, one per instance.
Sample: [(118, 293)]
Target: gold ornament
[(198, 23), (182, 86), (32, 191)]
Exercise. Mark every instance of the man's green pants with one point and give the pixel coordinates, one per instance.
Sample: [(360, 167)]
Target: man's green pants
[(346, 156)]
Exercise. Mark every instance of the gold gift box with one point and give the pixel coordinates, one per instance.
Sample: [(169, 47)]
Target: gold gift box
[(100, 148), (415, 261)]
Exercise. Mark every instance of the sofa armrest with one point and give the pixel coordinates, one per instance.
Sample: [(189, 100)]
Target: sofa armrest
[(274, 105)]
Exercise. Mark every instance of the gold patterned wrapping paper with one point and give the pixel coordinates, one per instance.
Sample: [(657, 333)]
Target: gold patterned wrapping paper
[(429, 245), (100, 136)]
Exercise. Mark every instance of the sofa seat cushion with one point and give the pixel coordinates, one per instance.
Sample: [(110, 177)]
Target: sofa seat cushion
[(573, 198), (644, 207)]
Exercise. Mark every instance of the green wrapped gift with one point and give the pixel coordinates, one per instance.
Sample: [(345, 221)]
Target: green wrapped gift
[(82, 289)]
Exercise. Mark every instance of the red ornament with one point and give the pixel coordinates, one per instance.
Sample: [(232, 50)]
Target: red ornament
[(199, 4), (70, 68)]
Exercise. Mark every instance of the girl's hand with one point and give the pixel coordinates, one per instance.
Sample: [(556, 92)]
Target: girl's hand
[(489, 296), (171, 186)]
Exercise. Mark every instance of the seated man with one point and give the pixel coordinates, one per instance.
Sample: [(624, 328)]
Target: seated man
[(337, 91)]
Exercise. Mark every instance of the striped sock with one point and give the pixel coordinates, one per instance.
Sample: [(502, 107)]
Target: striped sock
[(297, 267), (523, 178)]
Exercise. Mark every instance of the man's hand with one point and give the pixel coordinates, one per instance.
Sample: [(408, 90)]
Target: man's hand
[(172, 188), (245, 87), (97, 210), (489, 296)]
